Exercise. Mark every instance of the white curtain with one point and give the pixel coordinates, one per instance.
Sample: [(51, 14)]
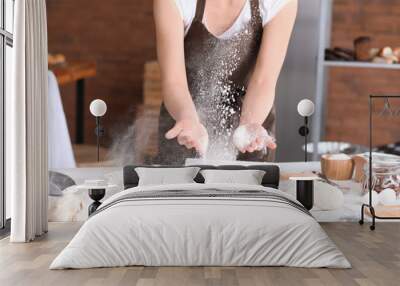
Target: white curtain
[(26, 117), (61, 154)]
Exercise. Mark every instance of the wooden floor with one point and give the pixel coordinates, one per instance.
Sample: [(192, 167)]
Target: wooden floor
[(375, 257)]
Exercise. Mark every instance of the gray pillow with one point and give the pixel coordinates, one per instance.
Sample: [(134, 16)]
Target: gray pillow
[(244, 177), (58, 182), (54, 190), (166, 176)]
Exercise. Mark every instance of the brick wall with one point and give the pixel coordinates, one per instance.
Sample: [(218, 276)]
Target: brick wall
[(347, 106), (119, 36)]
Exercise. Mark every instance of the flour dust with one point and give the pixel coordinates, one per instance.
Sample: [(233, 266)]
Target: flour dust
[(217, 94), (136, 144)]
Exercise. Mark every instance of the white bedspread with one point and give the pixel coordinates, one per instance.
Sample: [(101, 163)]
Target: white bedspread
[(200, 231)]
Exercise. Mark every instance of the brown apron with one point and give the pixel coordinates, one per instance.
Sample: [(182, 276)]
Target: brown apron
[(218, 72)]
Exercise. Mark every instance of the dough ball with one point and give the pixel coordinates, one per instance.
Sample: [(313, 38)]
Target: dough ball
[(387, 197), (327, 197), (242, 137)]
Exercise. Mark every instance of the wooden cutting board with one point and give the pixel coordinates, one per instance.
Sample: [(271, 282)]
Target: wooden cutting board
[(286, 176), (385, 211)]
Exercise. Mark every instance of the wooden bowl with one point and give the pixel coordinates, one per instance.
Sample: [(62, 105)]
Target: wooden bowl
[(359, 162), (337, 167)]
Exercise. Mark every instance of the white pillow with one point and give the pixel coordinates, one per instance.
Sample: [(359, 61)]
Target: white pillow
[(166, 176), (244, 177)]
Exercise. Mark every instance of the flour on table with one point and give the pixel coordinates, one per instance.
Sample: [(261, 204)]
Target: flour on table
[(339, 157)]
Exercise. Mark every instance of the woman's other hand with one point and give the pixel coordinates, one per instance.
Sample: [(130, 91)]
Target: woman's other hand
[(191, 134), (252, 137)]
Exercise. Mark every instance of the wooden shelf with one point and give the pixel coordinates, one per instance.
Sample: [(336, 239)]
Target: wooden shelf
[(73, 71), (344, 64)]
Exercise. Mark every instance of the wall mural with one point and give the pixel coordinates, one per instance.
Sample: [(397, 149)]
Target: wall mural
[(107, 83)]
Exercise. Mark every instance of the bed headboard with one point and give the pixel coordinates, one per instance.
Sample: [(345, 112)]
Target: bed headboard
[(270, 179)]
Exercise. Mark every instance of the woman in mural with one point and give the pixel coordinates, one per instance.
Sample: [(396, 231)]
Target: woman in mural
[(220, 61)]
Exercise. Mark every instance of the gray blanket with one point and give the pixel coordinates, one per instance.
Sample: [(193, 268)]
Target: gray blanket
[(206, 193)]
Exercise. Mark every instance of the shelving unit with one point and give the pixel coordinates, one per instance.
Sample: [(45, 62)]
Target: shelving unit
[(367, 65), (369, 205), (323, 65)]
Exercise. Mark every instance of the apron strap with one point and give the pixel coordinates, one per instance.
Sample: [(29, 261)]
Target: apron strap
[(255, 10), (201, 4)]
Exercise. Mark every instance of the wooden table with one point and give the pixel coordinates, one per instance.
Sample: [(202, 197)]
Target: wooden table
[(76, 72)]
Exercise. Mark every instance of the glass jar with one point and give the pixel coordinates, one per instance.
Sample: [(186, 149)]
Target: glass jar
[(385, 172)]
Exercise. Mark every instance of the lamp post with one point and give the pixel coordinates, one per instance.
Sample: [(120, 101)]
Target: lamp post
[(305, 108), (98, 108)]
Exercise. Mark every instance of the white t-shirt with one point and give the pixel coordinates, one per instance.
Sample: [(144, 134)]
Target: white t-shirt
[(268, 10)]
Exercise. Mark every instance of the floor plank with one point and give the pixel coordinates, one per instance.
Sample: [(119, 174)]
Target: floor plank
[(375, 257)]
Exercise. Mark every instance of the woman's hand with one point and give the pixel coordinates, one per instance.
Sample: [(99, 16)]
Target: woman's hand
[(260, 94), (191, 134), (252, 137)]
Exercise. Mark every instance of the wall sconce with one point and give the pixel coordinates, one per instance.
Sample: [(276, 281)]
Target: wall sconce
[(98, 108), (305, 108)]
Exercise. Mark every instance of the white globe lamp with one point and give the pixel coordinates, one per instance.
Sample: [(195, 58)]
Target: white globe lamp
[(98, 109), (306, 109)]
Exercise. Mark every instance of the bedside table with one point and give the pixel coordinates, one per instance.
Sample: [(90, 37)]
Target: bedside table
[(96, 195), (305, 190), (96, 190)]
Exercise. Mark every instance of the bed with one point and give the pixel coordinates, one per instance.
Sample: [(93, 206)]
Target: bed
[(201, 224)]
